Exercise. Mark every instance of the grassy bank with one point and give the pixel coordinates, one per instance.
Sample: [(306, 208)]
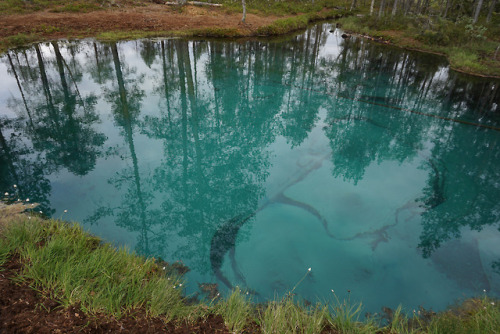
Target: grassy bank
[(469, 48), (65, 263)]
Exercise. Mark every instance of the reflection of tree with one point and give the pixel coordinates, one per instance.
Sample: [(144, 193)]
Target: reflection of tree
[(78, 145), (59, 121), (133, 213), (21, 166), (62, 124), (360, 129), (301, 110), (208, 176), (472, 191), (99, 63)]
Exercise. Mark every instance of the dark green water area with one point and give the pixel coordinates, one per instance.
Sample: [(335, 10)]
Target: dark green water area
[(252, 161)]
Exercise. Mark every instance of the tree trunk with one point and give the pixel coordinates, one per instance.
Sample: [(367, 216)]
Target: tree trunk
[(490, 11), (394, 8), (353, 4), (478, 10), (408, 6), (371, 7), (460, 7), (418, 7), (425, 6), (244, 11), (381, 9), (448, 4)]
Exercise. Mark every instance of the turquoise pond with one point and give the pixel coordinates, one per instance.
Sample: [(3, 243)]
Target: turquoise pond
[(252, 161)]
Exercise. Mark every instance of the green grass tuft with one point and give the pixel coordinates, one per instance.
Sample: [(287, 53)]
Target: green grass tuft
[(79, 269), (283, 26), (477, 315), (21, 39), (286, 316), (346, 317), (82, 7), (236, 310)]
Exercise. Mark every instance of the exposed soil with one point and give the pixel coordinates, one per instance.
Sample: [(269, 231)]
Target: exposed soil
[(151, 17), (23, 310)]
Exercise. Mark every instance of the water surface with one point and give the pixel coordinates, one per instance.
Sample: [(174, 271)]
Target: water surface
[(253, 161)]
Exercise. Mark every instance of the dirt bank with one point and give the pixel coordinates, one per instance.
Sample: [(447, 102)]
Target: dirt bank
[(151, 17)]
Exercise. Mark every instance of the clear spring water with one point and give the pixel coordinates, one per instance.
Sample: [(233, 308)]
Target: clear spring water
[(253, 161)]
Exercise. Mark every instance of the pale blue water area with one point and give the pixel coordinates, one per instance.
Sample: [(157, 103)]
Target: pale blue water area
[(252, 161)]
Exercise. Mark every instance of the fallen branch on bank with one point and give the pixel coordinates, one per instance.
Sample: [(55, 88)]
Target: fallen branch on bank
[(194, 3)]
